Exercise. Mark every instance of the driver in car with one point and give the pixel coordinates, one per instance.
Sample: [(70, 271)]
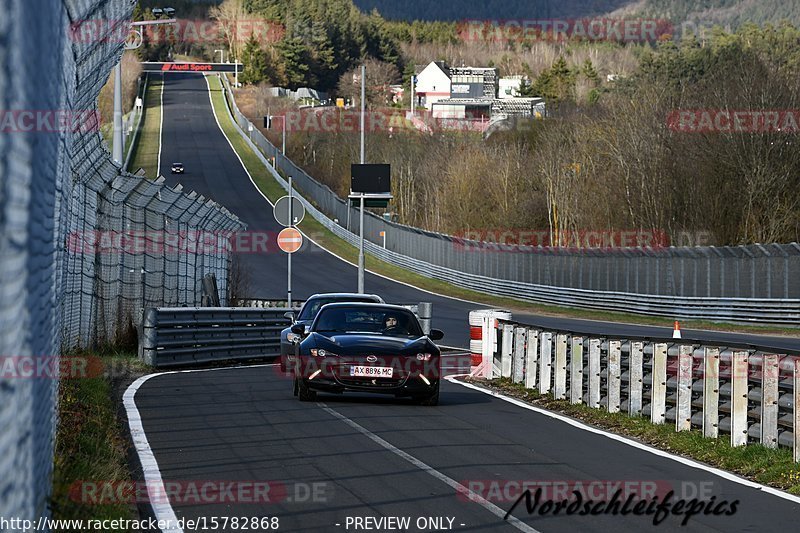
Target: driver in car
[(391, 324)]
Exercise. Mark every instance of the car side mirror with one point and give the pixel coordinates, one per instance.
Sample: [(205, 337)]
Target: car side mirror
[(289, 315), (298, 329), (436, 335)]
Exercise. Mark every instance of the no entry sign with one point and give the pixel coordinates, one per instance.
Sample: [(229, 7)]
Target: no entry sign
[(290, 240)]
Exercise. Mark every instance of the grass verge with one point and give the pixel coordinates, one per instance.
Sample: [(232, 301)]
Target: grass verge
[(91, 445), (145, 153), (328, 240), (775, 468)]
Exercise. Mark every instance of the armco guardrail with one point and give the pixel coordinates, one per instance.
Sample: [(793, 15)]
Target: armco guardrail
[(741, 391), (179, 336), (187, 336), (760, 272)]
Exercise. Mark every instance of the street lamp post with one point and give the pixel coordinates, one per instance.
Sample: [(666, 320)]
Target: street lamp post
[(221, 55), (363, 158), (118, 143)]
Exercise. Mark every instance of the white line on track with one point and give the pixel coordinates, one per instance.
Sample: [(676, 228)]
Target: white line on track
[(161, 125), (152, 475), (460, 489), (630, 442)]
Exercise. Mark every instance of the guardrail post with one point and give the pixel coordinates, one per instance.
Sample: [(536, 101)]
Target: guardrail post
[(636, 377), (711, 392), (769, 400), (576, 371), (796, 409), (594, 373), (505, 354), (614, 371), (518, 371), (739, 398), (683, 416), (424, 312), (531, 358), (149, 340), (488, 341), (560, 385), (546, 364), (497, 358), (658, 389)]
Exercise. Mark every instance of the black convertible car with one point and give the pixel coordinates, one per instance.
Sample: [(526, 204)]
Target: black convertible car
[(309, 312), (367, 348)]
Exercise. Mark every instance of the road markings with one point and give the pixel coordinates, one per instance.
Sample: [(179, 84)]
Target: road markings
[(460, 489), (630, 442), (152, 475)]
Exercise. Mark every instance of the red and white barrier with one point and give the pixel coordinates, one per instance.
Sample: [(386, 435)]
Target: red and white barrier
[(483, 339)]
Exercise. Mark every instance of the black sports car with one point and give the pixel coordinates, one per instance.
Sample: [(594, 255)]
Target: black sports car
[(367, 348), (309, 312)]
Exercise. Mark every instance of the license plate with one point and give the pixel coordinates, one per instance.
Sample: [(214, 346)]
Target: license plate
[(371, 371)]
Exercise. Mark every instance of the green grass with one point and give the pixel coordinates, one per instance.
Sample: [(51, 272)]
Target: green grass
[(90, 443), (773, 467), (325, 238), (145, 153)]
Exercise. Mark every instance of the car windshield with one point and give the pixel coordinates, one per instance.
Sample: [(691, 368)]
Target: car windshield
[(313, 306), (377, 321)]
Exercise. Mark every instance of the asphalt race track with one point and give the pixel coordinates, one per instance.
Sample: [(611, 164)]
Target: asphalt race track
[(191, 136), (331, 462), (243, 424)]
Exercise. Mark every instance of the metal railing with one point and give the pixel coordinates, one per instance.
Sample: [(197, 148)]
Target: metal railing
[(744, 392), (757, 283)]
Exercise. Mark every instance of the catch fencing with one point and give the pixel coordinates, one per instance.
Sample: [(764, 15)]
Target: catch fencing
[(59, 189), (750, 395), (757, 283), (748, 283)]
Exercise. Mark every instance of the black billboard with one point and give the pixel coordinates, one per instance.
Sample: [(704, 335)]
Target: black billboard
[(371, 178), (191, 67)]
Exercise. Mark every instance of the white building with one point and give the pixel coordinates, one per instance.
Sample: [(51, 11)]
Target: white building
[(433, 84), (510, 87)]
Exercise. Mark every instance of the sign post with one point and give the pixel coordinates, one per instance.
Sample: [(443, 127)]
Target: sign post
[(289, 239)]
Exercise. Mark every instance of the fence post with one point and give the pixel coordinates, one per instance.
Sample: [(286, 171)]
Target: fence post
[(796, 409), (636, 376), (560, 385), (576, 371), (658, 389), (594, 373), (505, 354), (531, 358), (683, 415), (497, 349), (488, 334), (614, 371), (518, 371), (546, 363), (739, 398), (769, 400), (711, 392)]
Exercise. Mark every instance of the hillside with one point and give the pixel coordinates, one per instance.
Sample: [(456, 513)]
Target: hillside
[(726, 13)]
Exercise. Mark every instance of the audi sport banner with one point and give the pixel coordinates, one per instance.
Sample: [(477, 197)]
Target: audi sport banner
[(192, 67)]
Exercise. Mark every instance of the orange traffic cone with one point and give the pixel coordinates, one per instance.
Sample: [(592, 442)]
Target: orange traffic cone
[(676, 332)]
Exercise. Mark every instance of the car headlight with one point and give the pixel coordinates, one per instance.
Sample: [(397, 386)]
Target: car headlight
[(319, 352), (423, 357)]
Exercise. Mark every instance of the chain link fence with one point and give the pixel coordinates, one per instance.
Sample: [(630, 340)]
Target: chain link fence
[(61, 285), (753, 272)]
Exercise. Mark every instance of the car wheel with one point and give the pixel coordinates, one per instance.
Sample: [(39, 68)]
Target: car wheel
[(432, 399), (305, 394)]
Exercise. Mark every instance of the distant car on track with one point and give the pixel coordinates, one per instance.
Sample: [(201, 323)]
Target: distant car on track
[(309, 312), (363, 347), (177, 168)]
